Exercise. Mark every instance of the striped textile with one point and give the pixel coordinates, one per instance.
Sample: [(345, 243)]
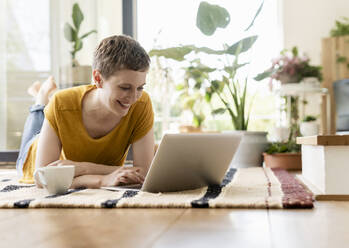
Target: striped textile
[(241, 188)]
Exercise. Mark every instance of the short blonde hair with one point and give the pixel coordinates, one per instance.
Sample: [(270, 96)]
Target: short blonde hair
[(119, 52)]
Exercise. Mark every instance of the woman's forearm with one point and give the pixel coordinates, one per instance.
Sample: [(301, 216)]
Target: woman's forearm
[(88, 181), (88, 168)]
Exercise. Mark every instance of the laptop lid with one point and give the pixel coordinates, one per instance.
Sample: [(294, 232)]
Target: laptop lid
[(189, 161)]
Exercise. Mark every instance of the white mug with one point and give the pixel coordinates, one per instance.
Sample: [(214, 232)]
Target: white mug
[(55, 179)]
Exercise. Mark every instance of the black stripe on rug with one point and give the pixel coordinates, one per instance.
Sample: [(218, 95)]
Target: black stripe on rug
[(66, 193), (213, 191), (23, 203), (5, 180), (10, 188), (113, 203)]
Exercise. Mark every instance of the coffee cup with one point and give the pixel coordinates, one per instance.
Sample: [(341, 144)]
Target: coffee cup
[(55, 179)]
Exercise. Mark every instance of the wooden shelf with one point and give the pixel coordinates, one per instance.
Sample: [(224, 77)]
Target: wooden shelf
[(324, 140)]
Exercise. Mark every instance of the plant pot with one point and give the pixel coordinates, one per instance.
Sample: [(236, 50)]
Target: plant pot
[(311, 82), (279, 134), (249, 152), (286, 161), (309, 128), (75, 76)]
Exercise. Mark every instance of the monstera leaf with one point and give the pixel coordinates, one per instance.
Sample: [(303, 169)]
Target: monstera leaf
[(210, 17)]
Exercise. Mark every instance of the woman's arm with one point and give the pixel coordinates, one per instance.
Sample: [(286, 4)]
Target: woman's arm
[(143, 152), (86, 168), (49, 147)]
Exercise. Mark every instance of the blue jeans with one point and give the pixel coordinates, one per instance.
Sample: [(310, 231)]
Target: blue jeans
[(32, 128)]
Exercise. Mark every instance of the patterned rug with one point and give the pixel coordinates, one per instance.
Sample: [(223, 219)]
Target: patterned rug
[(241, 188)]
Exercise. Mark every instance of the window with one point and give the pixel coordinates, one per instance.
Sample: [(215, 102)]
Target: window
[(163, 24), (25, 56)]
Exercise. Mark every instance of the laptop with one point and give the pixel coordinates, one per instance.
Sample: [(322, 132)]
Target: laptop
[(188, 161)]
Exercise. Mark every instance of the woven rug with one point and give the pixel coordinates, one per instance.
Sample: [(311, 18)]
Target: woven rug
[(241, 188)]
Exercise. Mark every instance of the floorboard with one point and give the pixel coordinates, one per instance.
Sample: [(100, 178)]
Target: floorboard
[(325, 226), (218, 228)]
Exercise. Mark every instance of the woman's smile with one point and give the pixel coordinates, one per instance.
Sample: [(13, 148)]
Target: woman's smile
[(124, 105)]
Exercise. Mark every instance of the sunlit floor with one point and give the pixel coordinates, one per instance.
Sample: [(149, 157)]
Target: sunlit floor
[(326, 225)]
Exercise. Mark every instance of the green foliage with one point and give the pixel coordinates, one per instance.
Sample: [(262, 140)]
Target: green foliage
[(291, 67), (279, 147), (309, 118), (193, 94), (209, 18), (341, 28), (72, 33), (289, 146)]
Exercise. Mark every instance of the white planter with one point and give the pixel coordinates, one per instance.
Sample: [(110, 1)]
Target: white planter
[(249, 152), (309, 128), (279, 134)]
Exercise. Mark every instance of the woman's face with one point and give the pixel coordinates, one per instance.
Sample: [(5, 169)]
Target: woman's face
[(121, 90)]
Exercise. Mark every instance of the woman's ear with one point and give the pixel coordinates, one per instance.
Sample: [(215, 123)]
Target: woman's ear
[(97, 78)]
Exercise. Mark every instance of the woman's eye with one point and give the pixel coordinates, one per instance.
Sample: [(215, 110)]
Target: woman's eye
[(140, 88)]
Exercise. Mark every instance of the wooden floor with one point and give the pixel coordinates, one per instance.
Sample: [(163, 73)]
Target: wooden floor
[(327, 225)]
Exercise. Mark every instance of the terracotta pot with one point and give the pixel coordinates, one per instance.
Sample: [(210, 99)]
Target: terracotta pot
[(287, 161)]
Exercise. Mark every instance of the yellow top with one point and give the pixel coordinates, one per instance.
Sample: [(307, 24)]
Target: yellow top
[(65, 116)]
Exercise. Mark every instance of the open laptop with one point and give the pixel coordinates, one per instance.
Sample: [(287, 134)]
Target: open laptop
[(188, 161)]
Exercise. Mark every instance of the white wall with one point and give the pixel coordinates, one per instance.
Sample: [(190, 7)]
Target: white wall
[(306, 22), (104, 16)]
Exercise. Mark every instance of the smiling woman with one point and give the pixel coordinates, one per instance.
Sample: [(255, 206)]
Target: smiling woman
[(92, 126)]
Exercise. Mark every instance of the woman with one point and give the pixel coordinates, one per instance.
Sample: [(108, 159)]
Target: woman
[(92, 126)]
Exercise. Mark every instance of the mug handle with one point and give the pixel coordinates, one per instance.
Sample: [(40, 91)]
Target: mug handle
[(38, 176)]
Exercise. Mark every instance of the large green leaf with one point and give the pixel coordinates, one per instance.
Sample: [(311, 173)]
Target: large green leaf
[(77, 16), (233, 68), (176, 53), (217, 85), (87, 34), (265, 74), (242, 45), (78, 45), (69, 32), (210, 17), (255, 16), (219, 111), (207, 50)]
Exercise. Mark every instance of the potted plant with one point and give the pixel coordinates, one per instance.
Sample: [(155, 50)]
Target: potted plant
[(192, 93), (283, 155), (341, 29), (76, 74), (290, 67), (308, 126), (228, 89)]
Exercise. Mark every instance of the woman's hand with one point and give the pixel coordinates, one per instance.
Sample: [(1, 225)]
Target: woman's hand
[(79, 167), (123, 176)]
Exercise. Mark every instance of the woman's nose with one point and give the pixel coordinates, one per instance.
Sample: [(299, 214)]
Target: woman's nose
[(133, 96)]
